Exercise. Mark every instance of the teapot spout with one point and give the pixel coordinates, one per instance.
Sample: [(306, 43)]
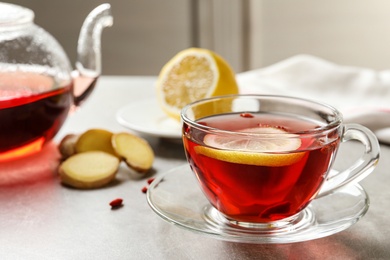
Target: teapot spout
[(88, 62)]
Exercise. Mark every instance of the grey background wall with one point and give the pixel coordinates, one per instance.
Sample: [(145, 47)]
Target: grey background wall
[(248, 33), (145, 32)]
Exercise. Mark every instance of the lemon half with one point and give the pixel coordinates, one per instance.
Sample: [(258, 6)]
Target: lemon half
[(191, 75), (272, 149)]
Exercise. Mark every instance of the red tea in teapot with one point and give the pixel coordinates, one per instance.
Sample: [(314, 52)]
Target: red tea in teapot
[(33, 107), (37, 82)]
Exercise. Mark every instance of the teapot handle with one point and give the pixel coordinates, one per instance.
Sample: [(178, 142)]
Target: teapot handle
[(88, 64), (89, 47)]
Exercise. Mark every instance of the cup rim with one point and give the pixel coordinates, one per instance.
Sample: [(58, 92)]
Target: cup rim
[(337, 121)]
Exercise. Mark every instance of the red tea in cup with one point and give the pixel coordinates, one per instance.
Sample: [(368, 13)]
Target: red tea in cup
[(262, 159), (257, 187)]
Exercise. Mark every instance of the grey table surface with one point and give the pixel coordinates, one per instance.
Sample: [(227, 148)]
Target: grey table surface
[(41, 219)]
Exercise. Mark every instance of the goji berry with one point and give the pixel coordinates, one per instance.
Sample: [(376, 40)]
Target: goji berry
[(247, 115), (116, 203), (150, 180)]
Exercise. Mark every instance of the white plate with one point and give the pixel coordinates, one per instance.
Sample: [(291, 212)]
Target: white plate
[(177, 198), (146, 117)]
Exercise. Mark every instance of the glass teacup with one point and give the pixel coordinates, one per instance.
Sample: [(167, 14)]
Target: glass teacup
[(260, 160)]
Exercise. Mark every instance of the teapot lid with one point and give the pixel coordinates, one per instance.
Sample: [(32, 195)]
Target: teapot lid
[(11, 14)]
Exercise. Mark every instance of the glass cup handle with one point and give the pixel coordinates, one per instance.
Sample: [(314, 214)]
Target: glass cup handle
[(362, 167)]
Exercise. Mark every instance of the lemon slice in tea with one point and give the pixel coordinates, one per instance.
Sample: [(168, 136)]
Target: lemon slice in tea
[(193, 74), (273, 148)]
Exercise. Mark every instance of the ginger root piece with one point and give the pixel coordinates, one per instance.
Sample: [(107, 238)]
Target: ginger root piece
[(89, 170), (67, 146), (95, 140), (134, 150)]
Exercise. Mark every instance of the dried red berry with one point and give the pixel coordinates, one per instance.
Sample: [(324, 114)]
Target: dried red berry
[(116, 203), (150, 180), (144, 189), (247, 115)]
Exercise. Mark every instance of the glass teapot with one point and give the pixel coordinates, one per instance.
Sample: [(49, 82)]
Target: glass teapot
[(37, 83)]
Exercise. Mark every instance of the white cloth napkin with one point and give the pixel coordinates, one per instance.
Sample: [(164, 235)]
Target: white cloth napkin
[(361, 94)]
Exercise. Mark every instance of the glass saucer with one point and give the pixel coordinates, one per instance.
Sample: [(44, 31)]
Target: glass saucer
[(177, 198)]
